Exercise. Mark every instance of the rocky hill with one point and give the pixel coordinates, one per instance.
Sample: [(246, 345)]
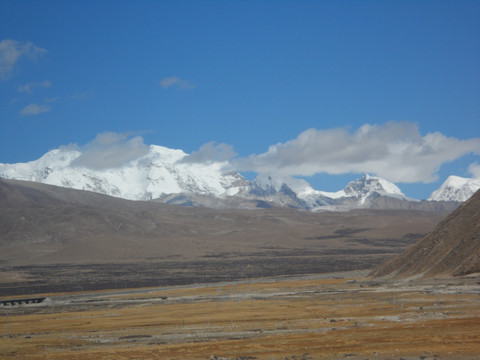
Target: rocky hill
[(451, 249)]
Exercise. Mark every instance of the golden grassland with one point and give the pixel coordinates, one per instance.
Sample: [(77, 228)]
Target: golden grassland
[(288, 319)]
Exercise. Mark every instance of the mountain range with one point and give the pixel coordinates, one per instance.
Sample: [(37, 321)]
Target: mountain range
[(172, 176)]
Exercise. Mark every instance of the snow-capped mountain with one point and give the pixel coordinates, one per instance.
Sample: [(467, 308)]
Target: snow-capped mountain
[(456, 188), (298, 193), (368, 186), (159, 171), (270, 184), (172, 176), (287, 191)]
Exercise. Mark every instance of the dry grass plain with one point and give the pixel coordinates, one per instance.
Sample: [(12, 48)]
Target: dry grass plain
[(310, 317)]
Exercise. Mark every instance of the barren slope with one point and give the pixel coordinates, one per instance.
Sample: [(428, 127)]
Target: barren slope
[(452, 249)]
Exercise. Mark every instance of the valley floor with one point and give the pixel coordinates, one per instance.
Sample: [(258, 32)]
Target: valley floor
[(329, 316)]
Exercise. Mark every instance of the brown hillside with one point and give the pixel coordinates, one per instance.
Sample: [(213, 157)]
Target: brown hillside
[(451, 249), (42, 224)]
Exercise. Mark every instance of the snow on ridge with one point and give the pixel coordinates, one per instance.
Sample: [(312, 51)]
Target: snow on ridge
[(333, 195), (275, 183), (456, 188), (367, 184), (163, 171), (165, 154), (356, 193), (159, 171), (39, 170)]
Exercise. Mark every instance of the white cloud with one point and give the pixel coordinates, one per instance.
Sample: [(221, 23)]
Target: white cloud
[(210, 152), (34, 109), (11, 51), (395, 150), (28, 88), (69, 147), (176, 82), (474, 169), (111, 150)]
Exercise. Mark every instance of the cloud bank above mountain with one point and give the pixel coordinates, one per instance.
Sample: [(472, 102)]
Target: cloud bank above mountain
[(474, 169), (209, 152), (394, 150), (111, 150)]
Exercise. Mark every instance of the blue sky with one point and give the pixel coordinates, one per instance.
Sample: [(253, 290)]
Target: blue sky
[(288, 85)]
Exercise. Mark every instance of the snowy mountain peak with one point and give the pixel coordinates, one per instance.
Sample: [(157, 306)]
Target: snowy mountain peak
[(39, 170), (165, 154), (455, 188), (299, 193), (367, 185), (159, 171), (271, 184), (286, 191)]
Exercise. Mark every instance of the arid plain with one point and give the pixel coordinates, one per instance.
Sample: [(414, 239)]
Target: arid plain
[(334, 316)]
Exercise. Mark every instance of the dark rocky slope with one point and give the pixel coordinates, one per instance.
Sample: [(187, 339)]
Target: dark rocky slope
[(451, 249)]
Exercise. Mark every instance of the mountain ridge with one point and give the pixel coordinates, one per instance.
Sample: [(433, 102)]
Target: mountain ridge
[(169, 175), (159, 171)]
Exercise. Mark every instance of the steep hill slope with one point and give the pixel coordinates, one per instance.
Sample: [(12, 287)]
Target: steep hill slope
[(452, 249)]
